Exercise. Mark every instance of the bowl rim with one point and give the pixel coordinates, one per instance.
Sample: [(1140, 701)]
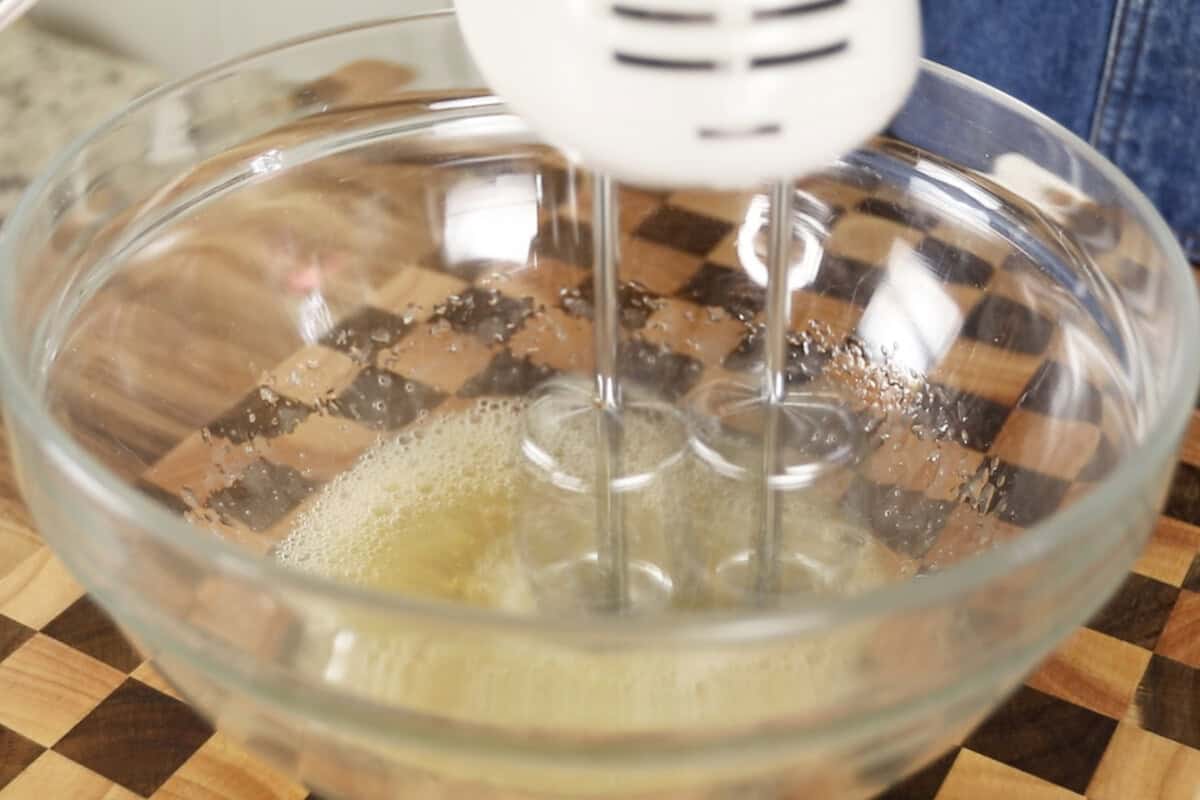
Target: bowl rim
[(21, 404)]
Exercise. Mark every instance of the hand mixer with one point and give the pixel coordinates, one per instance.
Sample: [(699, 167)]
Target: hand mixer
[(712, 94)]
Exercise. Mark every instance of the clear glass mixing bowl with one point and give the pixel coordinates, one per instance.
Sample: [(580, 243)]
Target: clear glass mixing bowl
[(214, 304)]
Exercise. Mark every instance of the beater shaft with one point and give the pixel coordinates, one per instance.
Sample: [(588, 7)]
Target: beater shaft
[(610, 532), (777, 323)]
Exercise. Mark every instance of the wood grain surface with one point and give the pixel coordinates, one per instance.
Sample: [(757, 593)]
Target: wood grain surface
[(1114, 713)]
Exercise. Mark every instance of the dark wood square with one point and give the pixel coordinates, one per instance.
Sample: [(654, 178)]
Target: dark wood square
[(86, 628), (1183, 500), (1099, 228), (805, 361), (923, 785), (659, 369), (488, 314), (947, 407), (846, 279), (1191, 581), (507, 375), (367, 332), (906, 521), (1039, 734), (1138, 612), (136, 737), (1029, 496), (953, 264), (635, 301), (262, 413), (168, 500), (12, 635), (1054, 390), (728, 288), (907, 216), (16, 753), (998, 321), (568, 240), (1168, 700), (1102, 462), (262, 495), (680, 229), (384, 400)]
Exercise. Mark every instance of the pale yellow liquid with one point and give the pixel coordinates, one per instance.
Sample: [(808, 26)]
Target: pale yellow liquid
[(432, 515), (429, 514)]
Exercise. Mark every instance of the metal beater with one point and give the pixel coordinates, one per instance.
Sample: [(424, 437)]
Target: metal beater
[(712, 94)]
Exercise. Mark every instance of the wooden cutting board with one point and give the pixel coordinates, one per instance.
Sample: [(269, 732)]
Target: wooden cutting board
[(1114, 715)]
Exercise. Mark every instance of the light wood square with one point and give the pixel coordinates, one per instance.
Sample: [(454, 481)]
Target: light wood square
[(55, 777), (976, 777), (1095, 671), (870, 239), (438, 357), (46, 687), (220, 770), (148, 674), (990, 372), (1180, 638), (1140, 765), (313, 374), (38, 589), (693, 331), (196, 468), (1057, 447), (17, 543), (321, 447), (543, 282), (416, 291), (556, 339), (1170, 552), (728, 206), (660, 269)]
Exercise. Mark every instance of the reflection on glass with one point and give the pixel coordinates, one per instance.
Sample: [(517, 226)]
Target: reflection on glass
[(491, 220), (808, 229), (910, 314)]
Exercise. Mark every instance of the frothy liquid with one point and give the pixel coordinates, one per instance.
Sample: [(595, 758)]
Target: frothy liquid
[(428, 514), (431, 514)]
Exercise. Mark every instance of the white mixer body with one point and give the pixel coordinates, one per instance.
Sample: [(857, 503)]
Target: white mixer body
[(709, 93)]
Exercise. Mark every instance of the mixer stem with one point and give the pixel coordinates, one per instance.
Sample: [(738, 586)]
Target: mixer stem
[(610, 534), (777, 323)]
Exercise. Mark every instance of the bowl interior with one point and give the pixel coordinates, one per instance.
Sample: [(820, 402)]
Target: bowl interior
[(338, 313), (354, 278)]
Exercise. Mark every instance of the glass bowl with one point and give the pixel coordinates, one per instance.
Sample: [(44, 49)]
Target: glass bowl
[(280, 295)]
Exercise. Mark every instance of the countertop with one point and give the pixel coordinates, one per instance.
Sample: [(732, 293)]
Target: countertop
[(52, 90), (1114, 715)]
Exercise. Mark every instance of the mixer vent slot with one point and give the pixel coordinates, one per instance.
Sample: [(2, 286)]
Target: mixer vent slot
[(770, 129), (660, 15), (653, 62), (797, 9), (787, 59)]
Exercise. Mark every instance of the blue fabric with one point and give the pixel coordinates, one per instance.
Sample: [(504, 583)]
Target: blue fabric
[(1122, 74)]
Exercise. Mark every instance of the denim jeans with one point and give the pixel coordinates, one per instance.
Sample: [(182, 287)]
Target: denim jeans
[(1122, 74)]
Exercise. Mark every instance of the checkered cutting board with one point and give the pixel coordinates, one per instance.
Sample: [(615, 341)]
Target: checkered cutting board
[(1115, 714)]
